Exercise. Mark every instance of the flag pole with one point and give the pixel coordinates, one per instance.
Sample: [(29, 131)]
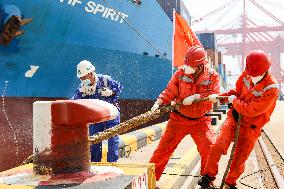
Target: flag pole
[(173, 40)]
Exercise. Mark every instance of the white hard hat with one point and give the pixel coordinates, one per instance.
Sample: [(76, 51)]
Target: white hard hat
[(84, 67)]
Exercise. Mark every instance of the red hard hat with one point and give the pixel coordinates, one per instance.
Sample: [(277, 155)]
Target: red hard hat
[(194, 56), (257, 63)]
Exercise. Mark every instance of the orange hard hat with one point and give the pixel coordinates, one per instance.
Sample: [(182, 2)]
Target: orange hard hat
[(257, 63), (195, 55)]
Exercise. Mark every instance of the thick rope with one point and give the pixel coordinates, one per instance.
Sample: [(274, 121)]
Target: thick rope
[(237, 132), (137, 121)]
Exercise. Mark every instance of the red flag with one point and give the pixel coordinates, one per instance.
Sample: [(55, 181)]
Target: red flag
[(183, 38)]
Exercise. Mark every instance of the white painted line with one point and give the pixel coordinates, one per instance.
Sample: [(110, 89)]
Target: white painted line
[(191, 181), (277, 176), (255, 169)]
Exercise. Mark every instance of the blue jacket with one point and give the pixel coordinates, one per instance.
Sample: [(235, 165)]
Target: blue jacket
[(102, 82)]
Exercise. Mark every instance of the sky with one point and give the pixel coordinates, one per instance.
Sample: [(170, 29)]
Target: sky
[(228, 18), (197, 10)]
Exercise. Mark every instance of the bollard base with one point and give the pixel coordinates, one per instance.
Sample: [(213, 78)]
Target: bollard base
[(102, 175)]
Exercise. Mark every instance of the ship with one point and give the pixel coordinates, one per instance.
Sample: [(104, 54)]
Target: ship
[(129, 40)]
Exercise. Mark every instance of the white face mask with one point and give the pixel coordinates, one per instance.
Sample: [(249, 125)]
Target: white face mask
[(86, 82), (256, 79), (188, 69)]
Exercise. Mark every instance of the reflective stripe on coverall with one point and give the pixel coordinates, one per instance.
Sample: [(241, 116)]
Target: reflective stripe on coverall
[(255, 104), (199, 127)]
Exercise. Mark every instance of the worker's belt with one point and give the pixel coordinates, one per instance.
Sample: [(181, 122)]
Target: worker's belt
[(190, 118), (234, 112)]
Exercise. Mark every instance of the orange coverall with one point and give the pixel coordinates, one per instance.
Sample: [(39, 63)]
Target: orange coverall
[(190, 119), (255, 104)]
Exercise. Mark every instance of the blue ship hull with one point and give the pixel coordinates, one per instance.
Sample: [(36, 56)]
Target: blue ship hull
[(64, 32), (61, 35)]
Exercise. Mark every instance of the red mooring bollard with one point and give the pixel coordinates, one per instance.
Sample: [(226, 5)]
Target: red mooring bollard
[(60, 134)]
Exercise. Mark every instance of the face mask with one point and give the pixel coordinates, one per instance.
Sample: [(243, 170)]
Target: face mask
[(188, 69), (256, 79), (86, 82)]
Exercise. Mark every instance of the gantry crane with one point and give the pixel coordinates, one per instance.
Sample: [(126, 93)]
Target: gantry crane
[(253, 36)]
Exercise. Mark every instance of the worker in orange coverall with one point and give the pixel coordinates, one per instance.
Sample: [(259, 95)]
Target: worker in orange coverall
[(254, 98), (191, 81)]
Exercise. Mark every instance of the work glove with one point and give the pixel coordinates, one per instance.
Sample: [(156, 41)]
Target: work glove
[(157, 104), (231, 99), (213, 97), (106, 92), (235, 114), (189, 100)]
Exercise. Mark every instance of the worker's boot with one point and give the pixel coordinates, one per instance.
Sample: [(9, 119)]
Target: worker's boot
[(206, 182), (228, 186)]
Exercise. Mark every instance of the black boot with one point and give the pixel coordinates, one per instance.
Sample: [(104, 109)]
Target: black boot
[(206, 182), (228, 186)]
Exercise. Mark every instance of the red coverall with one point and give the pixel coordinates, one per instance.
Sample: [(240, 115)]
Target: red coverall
[(255, 104), (199, 127)]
